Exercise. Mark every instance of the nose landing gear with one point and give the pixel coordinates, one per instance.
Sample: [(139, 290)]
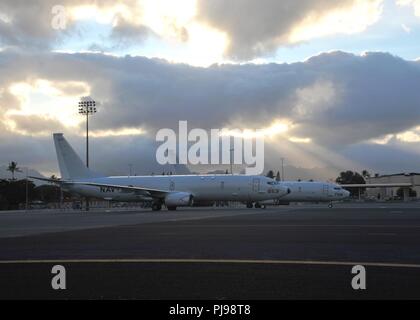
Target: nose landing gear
[(330, 205)]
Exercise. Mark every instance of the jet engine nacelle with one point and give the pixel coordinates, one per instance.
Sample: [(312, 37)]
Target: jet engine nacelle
[(179, 199)]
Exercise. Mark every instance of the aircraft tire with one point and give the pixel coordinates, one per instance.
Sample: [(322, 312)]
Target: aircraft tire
[(156, 207), (171, 208)]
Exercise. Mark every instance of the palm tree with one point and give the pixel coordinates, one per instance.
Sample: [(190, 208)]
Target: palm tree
[(13, 167), (365, 174), (270, 174)]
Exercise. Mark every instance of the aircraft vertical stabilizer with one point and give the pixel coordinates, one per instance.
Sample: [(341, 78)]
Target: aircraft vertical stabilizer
[(70, 164)]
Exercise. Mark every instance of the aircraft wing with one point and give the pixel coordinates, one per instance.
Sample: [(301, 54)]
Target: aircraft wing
[(58, 181), (378, 185), (154, 193)]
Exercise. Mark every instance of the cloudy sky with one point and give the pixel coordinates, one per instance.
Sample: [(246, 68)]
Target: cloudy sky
[(334, 83)]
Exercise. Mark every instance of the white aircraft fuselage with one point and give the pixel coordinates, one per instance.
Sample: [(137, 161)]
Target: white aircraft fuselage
[(312, 191), (200, 187)]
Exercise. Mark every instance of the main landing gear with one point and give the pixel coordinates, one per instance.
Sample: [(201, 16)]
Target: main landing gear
[(250, 205), (157, 206)]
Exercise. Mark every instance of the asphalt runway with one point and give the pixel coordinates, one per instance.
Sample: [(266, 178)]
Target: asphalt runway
[(296, 252)]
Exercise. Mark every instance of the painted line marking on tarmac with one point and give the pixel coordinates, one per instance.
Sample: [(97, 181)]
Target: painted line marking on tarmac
[(216, 261), (297, 226)]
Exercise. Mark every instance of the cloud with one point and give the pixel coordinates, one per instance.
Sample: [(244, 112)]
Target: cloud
[(23, 23), (27, 24), (239, 29), (259, 27), (409, 136), (375, 93), (330, 110), (415, 4), (394, 157), (125, 34), (327, 104), (406, 28), (29, 125), (42, 24)]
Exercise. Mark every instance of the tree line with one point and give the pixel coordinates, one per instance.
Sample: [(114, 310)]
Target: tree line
[(270, 174), (14, 193)]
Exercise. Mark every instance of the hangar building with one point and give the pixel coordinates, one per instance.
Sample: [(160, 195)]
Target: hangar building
[(391, 192)]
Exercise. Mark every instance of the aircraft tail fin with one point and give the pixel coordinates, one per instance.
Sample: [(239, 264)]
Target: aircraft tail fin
[(70, 164)]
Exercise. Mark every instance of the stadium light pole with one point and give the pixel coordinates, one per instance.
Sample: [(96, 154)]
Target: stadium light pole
[(87, 108)]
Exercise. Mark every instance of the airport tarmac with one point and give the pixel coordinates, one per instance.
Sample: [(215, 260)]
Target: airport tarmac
[(296, 252)]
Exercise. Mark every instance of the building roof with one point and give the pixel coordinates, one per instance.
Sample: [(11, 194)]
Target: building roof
[(397, 174)]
